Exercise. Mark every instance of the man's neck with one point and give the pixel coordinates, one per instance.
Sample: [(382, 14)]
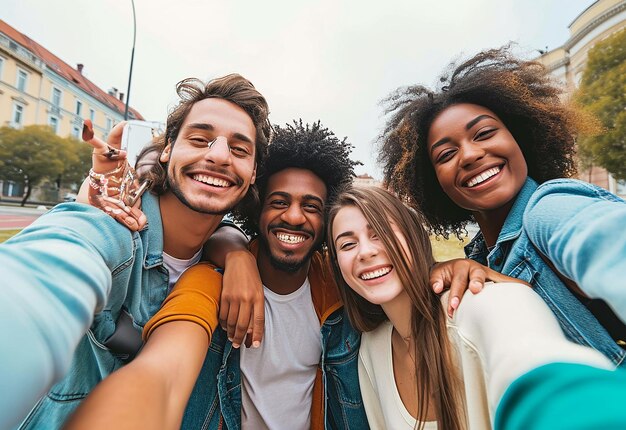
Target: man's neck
[(280, 281), (184, 230)]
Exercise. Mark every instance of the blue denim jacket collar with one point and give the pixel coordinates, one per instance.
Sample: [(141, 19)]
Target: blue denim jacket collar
[(477, 249), (152, 234)]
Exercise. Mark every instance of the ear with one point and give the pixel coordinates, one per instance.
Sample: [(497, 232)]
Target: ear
[(165, 155), (253, 179)]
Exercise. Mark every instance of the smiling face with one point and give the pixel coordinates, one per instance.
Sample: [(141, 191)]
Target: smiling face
[(477, 161), (291, 224), (212, 163), (363, 260)]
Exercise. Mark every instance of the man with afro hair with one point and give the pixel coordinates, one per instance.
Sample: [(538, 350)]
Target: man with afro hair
[(304, 373)]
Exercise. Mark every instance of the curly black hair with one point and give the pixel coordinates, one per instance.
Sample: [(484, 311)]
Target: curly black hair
[(306, 146), (522, 95)]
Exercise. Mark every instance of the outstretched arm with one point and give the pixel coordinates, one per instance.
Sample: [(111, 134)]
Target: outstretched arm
[(580, 229), (54, 276), (152, 391), (510, 331)]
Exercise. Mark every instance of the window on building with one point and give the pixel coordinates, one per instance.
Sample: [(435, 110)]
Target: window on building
[(92, 115), (56, 97), (109, 123), (53, 122), (17, 117), (79, 108), (75, 132), (1, 66), (22, 78)]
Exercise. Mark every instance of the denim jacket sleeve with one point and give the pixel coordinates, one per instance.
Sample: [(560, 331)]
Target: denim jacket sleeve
[(580, 228), (54, 276)]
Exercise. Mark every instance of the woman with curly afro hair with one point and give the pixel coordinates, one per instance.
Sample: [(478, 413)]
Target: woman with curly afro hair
[(493, 145)]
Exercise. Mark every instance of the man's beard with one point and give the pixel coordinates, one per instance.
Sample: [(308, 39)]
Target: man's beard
[(283, 265)]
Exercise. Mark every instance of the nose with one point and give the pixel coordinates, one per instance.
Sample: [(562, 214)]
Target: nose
[(293, 215), (218, 151), (470, 152), (367, 249)]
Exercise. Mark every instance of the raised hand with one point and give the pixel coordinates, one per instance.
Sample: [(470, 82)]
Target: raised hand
[(113, 184)]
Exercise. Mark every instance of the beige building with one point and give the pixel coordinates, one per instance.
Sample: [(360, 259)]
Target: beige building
[(37, 87), (600, 20), (366, 180)]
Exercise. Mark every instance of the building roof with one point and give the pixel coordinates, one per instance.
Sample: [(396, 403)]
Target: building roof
[(66, 71)]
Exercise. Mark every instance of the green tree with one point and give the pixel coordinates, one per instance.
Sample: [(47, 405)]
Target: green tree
[(77, 162), (35, 153), (603, 93)]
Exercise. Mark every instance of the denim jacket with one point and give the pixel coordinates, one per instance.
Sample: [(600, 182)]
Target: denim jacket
[(216, 403), (555, 219), (138, 286)]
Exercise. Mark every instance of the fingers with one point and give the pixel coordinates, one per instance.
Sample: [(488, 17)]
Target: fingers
[(88, 133), (258, 322), (477, 278), (224, 311), (458, 285), (114, 139), (437, 280), (231, 322), (241, 326), (133, 218)]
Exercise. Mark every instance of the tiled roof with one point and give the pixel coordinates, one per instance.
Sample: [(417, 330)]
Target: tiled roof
[(66, 71)]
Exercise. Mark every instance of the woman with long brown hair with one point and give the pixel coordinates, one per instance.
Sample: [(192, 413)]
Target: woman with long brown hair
[(411, 375)]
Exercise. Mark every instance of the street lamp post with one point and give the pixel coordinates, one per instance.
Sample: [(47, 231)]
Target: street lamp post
[(132, 58)]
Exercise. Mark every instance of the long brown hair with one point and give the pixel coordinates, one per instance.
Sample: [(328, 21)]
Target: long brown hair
[(434, 365)]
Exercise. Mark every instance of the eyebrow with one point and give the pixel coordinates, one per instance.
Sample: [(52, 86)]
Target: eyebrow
[(439, 143), (344, 234), (476, 120), (209, 127), (469, 125), (288, 196)]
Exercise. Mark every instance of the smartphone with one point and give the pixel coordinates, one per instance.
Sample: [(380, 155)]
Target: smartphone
[(136, 135)]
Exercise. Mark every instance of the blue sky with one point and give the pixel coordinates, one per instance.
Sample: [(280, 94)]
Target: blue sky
[(332, 60)]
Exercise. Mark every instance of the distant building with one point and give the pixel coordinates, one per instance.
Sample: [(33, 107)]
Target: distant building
[(567, 63), (366, 180), (37, 87)]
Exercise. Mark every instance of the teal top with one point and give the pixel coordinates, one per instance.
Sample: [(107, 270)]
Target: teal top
[(564, 396)]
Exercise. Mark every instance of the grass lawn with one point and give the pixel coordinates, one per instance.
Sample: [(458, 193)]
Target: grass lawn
[(447, 249), (5, 234)]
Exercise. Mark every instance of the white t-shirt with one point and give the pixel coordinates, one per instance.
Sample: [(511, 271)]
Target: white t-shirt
[(277, 378), (176, 266), (382, 402)]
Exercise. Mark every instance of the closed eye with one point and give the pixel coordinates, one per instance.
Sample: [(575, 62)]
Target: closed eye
[(312, 208), (278, 203), (240, 151), (445, 155), (485, 133), (347, 245)]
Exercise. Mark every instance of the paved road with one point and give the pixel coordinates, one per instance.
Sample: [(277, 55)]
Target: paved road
[(12, 217)]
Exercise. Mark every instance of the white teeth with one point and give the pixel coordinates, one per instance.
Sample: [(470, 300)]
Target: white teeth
[(217, 182), (376, 273), (290, 238), (482, 177)]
